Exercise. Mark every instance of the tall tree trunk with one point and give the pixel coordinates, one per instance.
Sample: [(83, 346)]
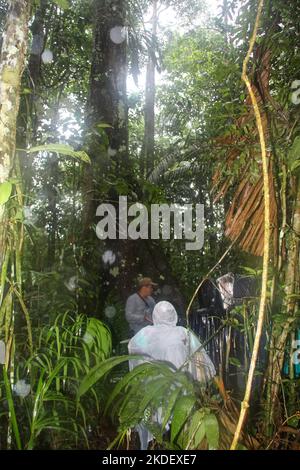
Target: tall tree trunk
[(12, 62), (107, 146), (149, 130), (27, 122), (107, 102)]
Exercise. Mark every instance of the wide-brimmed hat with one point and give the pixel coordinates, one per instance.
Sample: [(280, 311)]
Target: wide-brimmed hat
[(146, 281)]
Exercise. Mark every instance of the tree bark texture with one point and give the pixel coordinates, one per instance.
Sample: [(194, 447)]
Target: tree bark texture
[(107, 97), (12, 63)]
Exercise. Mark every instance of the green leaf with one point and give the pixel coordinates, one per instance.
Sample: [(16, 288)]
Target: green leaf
[(295, 165), (98, 372), (11, 407), (64, 4), (196, 429), (5, 191), (103, 125), (241, 447), (293, 422), (97, 334), (251, 271), (234, 361), (171, 402), (212, 431), (294, 154), (182, 411), (155, 388), (62, 149), (19, 215), (129, 377)]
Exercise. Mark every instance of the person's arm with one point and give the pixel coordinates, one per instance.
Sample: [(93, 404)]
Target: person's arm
[(130, 310), (148, 319)]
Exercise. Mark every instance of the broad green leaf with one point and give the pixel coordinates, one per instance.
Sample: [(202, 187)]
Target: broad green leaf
[(154, 389), (129, 377), (62, 149), (98, 372), (212, 431), (5, 191), (182, 411), (171, 403), (196, 429)]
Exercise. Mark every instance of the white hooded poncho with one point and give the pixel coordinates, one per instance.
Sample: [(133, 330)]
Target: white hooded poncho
[(164, 341)]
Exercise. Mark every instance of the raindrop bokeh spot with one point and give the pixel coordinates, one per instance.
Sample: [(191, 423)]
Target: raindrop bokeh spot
[(118, 34)]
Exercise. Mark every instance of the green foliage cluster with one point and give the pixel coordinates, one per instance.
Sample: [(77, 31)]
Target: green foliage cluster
[(155, 395), (43, 401)]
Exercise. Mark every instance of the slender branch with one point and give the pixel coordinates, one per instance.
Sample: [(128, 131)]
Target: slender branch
[(245, 403)]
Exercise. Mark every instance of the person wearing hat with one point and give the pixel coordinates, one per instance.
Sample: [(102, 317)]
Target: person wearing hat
[(139, 306)]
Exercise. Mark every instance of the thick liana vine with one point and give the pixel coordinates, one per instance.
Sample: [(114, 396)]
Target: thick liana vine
[(245, 402)]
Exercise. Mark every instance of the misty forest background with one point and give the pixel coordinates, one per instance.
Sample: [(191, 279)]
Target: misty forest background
[(145, 98)]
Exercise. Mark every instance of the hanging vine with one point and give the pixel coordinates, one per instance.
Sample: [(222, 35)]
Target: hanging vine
[(262, 306)]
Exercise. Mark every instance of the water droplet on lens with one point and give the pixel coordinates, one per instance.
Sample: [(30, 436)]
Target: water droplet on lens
[(118, 34)]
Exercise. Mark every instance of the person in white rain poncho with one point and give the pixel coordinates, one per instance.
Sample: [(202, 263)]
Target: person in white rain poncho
[(164, 341)]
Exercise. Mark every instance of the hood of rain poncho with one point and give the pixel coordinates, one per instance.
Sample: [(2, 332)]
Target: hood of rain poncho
[(164, 341), (164, 314)]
